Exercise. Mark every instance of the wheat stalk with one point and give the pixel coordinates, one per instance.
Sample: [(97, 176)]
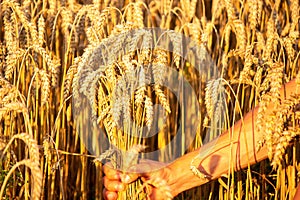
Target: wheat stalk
[(32, 163)]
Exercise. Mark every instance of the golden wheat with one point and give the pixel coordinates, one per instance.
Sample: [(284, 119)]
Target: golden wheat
[(32, 163), (52, 50)]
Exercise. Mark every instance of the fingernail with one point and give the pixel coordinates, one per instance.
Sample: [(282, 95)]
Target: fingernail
[(126, 179), (120, 187), (110, 196)]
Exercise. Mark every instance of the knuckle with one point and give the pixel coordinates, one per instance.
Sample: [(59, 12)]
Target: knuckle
[(105, 182)]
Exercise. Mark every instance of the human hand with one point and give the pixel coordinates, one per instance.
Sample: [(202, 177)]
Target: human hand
[(155, 175)]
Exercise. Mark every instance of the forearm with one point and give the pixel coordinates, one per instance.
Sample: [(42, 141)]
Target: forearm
[(233, 150), (224, 154)]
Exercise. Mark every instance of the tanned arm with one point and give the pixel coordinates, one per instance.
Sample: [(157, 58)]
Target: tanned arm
[(240, 142)]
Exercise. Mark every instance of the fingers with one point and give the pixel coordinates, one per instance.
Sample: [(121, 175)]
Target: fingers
[(129, 178), (112, 182), (109, 195), (113, 185), (110, 172), (114, 174), (115, 181)]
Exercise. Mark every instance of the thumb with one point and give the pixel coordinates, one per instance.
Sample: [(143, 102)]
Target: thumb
[(129, 177), (145, 169), (133, 173)]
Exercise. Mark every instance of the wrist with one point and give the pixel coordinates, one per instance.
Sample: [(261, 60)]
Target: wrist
[(181, 177)]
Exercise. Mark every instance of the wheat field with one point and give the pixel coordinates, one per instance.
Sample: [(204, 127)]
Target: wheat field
[(47, 48)]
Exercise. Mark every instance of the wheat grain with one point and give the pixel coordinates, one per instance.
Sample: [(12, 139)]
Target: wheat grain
[(126, 107), (130, 157), (149, 112), (294, 13), (185, 5), (213, 93), (260, 7), (145, 49), (99, 23), (177, 52), (41, 30), (247, 72), (258, 77), (253, 13), (276, 80), (230, 10), (11, 57), (20, 14), (162, 98), (166, 7), (129, 66), (227, 32), (192, 8), (195, 30), (289, 48), (284, 140), (160, 62), (45, 86), (47, 152), (53, 64), (270, 40), (105, 155), (260, 41), (67, 19), (138, 15), (240, 32), (70, 75), (52, 6)]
